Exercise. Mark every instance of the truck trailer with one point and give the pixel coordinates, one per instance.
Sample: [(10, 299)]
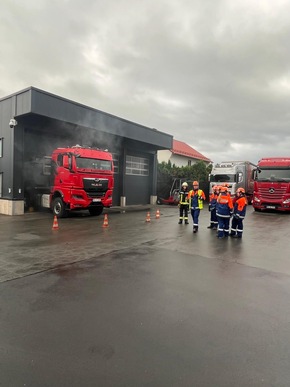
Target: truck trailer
[(70, 179), (272, 184), (236, 174)]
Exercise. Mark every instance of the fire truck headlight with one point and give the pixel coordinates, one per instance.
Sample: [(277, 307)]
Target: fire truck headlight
[(286, 201), (256, 199)]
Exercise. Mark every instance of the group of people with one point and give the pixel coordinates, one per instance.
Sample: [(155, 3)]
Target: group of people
[(221, 206)]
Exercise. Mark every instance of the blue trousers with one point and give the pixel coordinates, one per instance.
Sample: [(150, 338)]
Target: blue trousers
[(237, 226), (223, 226), (195, 215), (213, 218)]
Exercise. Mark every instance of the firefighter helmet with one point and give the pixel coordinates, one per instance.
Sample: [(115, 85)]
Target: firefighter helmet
[(184, 184), (195, 182), (241, 190)]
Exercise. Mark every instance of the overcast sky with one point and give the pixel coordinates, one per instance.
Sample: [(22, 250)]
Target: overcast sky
[(212, 73)]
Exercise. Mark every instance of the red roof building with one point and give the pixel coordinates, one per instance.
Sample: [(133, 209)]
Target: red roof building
[(181, 155)]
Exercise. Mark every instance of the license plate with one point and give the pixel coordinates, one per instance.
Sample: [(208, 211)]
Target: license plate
[(271, 207), (96, 200)]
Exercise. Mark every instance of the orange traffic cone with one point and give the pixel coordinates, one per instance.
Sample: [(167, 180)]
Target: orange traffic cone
[(157, 216), (148, 217), (55, 223), (106, 222)]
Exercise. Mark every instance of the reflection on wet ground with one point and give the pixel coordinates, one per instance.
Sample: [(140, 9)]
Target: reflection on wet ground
[(29, 245)]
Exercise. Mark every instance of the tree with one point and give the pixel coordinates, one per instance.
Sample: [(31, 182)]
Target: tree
[(167, 172)]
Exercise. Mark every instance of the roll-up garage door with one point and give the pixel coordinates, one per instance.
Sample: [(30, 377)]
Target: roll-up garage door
[(137, 180)]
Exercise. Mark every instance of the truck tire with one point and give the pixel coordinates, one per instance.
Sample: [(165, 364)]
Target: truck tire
[(58, 208), (96, 211)]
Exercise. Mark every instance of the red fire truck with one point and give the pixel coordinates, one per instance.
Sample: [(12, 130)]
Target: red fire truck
[(73, 178), (272, 184)]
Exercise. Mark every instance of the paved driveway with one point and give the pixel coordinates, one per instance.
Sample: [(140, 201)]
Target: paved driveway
[(143, 304), (29, 245)]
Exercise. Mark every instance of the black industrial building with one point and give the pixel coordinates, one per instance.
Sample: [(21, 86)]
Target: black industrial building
[(33, 122)]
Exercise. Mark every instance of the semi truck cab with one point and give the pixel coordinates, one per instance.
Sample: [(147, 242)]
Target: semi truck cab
[(272, 184), (73, 179)]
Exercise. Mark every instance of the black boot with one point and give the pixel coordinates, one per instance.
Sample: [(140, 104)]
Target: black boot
[(186, 222), (180, 222), (195, 229), (211, 226)]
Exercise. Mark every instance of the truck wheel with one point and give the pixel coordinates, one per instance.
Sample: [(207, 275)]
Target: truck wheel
[(58, 208), (96, 211)]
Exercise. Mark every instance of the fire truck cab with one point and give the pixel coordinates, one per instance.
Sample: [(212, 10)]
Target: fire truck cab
[(71, 179)]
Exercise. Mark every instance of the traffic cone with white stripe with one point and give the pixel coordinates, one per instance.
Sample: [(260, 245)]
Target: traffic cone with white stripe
[(148, 220), (55, 223), (106, 221), (157, 216)]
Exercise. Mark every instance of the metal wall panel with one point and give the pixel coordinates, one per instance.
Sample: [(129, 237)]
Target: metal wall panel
[(61, 109), (46, 121)]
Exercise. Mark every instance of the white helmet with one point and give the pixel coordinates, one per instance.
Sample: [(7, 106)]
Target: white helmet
[(184, 184)]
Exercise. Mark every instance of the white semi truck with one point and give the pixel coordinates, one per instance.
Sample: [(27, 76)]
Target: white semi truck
[(236, 174)]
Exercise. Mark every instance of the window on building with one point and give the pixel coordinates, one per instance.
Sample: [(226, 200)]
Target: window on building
[(1, 179), (137, 166), (1, 147), (189, 163), (116, 162)]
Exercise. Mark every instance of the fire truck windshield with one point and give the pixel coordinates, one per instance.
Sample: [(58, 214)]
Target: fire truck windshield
[(273, 174), (231, 178), (96, 164)]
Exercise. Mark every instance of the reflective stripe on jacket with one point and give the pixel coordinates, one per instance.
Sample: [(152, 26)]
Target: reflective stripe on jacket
[(183, 195), (225, 206), (240, 207), (196, 198), (213, 200)]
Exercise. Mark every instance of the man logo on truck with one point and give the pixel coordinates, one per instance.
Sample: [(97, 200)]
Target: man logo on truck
[(97, 183)]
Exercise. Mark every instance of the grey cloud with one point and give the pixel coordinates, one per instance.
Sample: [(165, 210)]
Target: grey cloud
[(214, 74)]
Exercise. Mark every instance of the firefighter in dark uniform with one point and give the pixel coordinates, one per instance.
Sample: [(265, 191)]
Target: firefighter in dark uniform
[(183, 203)]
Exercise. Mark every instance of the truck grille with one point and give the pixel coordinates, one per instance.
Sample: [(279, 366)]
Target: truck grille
[(95, 187), (276, 193)]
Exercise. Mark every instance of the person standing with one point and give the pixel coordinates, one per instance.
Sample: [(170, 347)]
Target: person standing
[(212, 207), (224, 213), (183, 203), (196, 197), (239, 214)]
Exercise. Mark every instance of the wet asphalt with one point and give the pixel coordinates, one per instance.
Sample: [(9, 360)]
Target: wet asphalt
[(143, 303)]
